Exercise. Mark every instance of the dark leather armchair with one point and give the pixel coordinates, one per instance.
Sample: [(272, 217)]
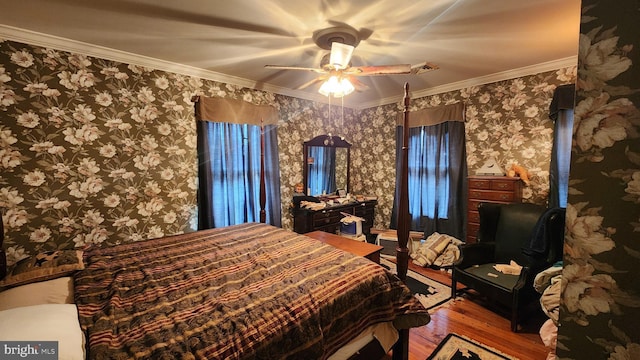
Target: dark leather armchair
[(526, 233)]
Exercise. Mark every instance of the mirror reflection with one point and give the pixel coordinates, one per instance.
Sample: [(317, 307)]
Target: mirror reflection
[(327, 165)]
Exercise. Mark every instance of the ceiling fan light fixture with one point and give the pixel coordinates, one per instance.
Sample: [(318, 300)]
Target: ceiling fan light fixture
[(340, 55), (347, 86), (337, 87)]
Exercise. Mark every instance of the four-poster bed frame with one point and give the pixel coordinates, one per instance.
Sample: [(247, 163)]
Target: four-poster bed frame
[(401, 348)]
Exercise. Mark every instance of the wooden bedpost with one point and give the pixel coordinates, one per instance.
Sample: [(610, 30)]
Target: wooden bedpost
[(401, 348), (263, 191), (404, 220), (3, 255)]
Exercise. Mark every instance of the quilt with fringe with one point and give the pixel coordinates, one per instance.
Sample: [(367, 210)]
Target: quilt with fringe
[(250, 291)]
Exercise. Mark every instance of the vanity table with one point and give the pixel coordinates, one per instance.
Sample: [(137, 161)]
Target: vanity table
[(326, 160), (328, 219)]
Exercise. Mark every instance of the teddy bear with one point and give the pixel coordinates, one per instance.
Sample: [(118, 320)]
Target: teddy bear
[(520, 172)]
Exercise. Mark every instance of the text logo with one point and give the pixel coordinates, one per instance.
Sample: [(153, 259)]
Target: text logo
[(32, 350)]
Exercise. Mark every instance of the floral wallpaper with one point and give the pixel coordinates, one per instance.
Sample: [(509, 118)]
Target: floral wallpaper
[(92, 151), (600, 303)]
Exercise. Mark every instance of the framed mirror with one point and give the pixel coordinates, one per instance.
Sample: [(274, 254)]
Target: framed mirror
[(326, 165)]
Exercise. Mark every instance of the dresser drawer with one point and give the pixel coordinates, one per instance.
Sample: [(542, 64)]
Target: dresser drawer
[(480, 184), (506, 184), (473, 216), (364, 212), (490, 189), (323, 218), (492, 195), (472, 205), (472, 230)]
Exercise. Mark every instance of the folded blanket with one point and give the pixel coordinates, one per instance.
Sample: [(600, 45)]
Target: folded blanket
[(543, 279), (438, 249), (450, 255), (548, 283), (550, 299)]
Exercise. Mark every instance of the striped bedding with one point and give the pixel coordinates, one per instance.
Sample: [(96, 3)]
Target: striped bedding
[(250, 291)]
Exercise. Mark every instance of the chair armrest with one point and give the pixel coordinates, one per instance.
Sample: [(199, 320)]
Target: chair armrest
[(475, 254), (524, 280), (537, 265)]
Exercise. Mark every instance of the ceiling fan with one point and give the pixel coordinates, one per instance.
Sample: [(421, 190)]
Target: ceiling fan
[(336, 66)]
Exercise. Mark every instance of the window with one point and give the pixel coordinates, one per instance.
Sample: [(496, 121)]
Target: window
[(561, 112), (437, 178), (428, 178), (229, 174), (561, 159)]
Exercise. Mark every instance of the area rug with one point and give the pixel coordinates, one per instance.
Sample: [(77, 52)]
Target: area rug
[(430, 292), (456, 347)]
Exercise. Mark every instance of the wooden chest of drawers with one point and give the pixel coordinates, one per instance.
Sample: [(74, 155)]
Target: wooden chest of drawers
[(493, 189), (328, 219)]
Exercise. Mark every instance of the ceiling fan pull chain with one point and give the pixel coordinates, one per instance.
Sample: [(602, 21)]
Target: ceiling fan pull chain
[(329, 115), (342, 111)]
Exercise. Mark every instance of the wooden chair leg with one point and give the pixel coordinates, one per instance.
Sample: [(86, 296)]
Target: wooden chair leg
[(514, 319), (454, 283)]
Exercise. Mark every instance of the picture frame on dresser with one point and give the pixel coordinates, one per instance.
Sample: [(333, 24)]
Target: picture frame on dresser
[(491, 189)]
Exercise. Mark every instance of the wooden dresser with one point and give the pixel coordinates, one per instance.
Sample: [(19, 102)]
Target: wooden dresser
[(493, 189), (328, 219)]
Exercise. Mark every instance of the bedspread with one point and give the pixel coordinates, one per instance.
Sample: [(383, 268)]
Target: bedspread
[(245, 291)]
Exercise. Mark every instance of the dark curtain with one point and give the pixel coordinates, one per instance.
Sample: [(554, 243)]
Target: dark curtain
[(561, 112), (322, 173), (437, 178), (229, 174)]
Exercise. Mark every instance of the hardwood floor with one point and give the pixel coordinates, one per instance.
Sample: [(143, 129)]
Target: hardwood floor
[(467, 316)]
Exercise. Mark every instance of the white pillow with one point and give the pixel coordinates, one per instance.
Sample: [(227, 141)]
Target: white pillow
[(48, 322), (56, 291)]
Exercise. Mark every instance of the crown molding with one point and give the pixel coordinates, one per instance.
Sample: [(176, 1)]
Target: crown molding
[(64, 44), (482, 80)]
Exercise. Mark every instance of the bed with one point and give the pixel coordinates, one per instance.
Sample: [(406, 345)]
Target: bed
[(248, 291)]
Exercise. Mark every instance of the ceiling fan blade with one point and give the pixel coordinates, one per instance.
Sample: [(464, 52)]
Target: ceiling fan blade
[(190, 15), (282, 67), (340, 55), (423, 67), (379, 70), (309, 83), (359, 85)]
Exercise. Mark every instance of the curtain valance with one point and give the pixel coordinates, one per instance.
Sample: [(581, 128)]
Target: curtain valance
[(434, 115), (234, 111), (563, 99)]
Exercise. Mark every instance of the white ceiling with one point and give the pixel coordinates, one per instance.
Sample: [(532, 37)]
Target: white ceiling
[(472, 41)]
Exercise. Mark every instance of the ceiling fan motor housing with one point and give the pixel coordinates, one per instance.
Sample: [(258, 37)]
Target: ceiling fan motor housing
[(323, 38)]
